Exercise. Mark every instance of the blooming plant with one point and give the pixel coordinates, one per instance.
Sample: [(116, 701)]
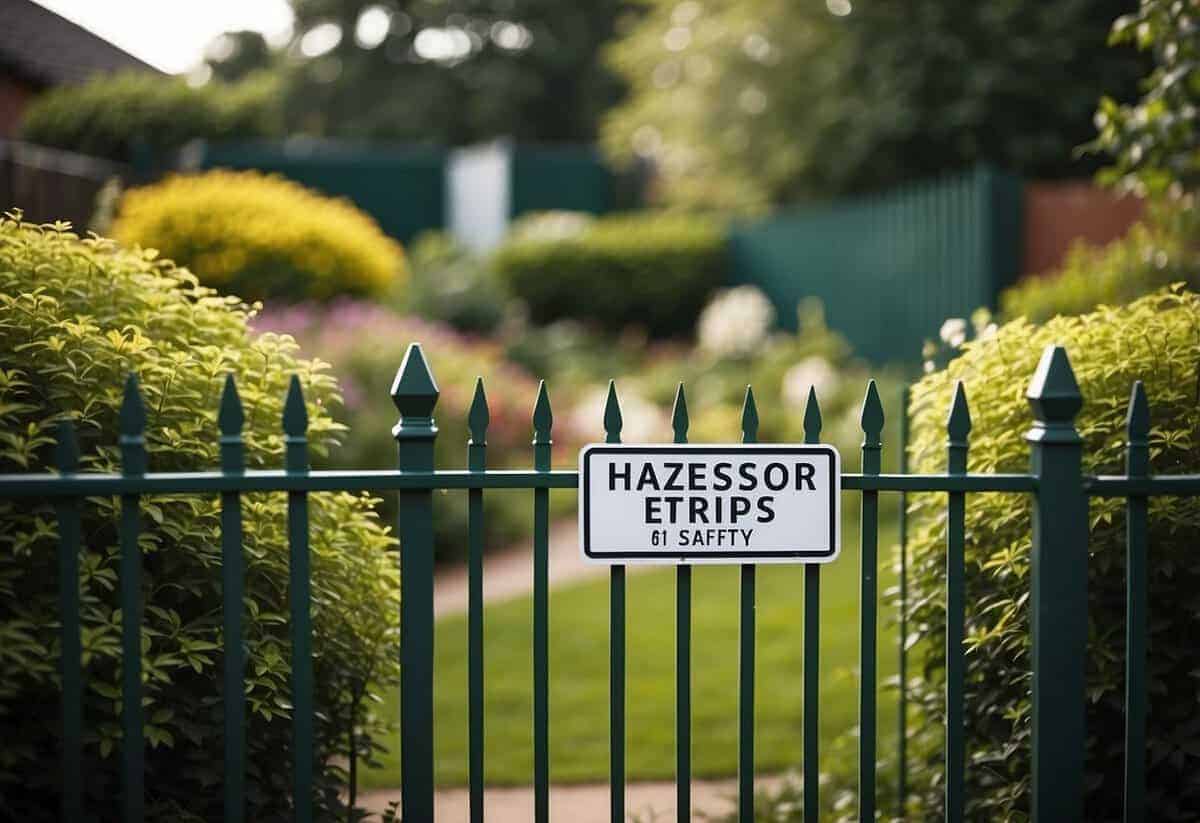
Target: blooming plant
[(736, 322)]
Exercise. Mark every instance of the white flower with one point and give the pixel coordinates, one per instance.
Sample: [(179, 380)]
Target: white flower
[(735, 322), (954, 332), (552, 225), (641, 421), (815, 372)]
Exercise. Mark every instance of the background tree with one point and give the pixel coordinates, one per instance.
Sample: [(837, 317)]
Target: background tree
[(1155, 141), (453, 71), (746, 103)]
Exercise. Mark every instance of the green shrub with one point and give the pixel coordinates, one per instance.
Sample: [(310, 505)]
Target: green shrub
[(261, 236), (450, 284), (1155, 339), (655, 271), (365, 343), (1161, 250), (114, 115), (76, 317)]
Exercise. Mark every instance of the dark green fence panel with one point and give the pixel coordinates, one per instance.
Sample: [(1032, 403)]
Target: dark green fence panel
[(401, 187), (573, 178), (1058, 598), (889, 268)]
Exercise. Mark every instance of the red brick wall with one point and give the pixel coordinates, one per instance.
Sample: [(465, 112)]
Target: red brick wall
[(1060, 213), (14, 96)]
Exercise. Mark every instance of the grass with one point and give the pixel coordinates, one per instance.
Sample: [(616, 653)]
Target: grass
[(579, 675)]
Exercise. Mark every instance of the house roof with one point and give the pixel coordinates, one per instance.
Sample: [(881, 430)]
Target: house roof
[(48, 50)]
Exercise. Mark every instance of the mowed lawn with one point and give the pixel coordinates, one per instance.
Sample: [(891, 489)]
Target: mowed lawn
[(579, 671)]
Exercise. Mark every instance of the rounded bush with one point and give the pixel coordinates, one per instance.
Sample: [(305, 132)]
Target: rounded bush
[(261, 236), (77, 316), (117, 115), (655, 271), (1154, 340), (1162, 249)]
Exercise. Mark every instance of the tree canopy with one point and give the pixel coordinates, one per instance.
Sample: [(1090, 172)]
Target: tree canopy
[(1155, 141), (451, 71), (748, 103)]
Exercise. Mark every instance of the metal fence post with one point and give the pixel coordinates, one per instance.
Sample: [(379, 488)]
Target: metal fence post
[(1059, 567), (415, 394)]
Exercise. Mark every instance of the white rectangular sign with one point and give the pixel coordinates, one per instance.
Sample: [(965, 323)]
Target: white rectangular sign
[(709, 504)]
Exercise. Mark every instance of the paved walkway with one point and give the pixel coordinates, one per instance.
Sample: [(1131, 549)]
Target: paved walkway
[(589, 803), (508, 574)]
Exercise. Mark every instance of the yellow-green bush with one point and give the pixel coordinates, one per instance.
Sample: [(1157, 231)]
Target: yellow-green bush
[(1153, 339), (76, 316), (261, 236), (1164, 248)]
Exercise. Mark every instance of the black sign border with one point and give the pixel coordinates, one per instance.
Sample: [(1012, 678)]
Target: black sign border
[(821, 449)]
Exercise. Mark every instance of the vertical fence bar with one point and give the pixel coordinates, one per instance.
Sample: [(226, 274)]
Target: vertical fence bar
[(69, 533), (542, 422), (616, 640), (902, 667), (132, 443), (872, 426), (958, 427), (230, 419), (415, 394), (812, 648), (295, 428), (1059, 565), (746, 652), (1137, 464), (683, 650), (477, 421)]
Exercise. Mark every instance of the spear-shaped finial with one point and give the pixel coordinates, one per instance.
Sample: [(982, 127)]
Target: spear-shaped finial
[(612, 415), (749, 418), (812, 417), (478, 416), (679, 416)]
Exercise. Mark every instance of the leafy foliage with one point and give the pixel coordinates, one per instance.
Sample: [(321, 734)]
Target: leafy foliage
[(889, 92), (113, 116), (1155, 141), (261, 236), (1153, 339), (77, 316), (450, 284), (1163, 249), (365, 343), (455, 71), (654, 271)]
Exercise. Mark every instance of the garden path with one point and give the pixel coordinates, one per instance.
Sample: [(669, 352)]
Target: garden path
[(508, 573), (650, 802)]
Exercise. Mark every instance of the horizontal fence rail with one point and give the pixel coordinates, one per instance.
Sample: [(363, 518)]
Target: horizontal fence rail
[(1058, 603)]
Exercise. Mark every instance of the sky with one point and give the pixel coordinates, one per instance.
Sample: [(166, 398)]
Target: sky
[(171, 35)]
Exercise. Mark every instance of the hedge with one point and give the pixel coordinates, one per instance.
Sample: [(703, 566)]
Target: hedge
[(114, 116), (1155, 340), (1163, 249), (76, 317), (262, 236), (651, 270)]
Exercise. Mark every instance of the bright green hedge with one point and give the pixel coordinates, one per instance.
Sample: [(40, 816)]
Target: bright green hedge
[(1163, 249), (655, 271), (1155, 339), (75, 318), (111, 115)]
